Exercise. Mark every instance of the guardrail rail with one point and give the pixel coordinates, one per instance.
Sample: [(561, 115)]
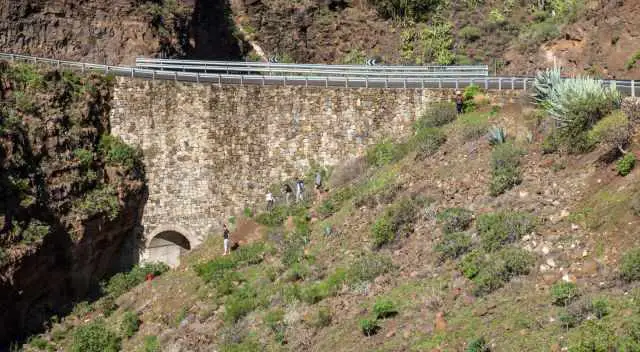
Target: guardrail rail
[(264, 74)]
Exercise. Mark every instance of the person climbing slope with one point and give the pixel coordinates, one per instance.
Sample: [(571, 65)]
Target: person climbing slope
[(225, 236), (299, 190)]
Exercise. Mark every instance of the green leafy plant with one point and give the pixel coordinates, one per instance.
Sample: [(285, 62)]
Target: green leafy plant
[(468, 95), (478, 345), (384, 308), (427, 141), (505, 170), (396, 220), (501, 228), (470, 33), (614, 130), (499, 268), (369, 327), (151, 344), (454, 219), (322, 318), (367, 267), (436, 115), (630, 265), (95, 337), (626, 164), (103, 200), (405, 9), (123, 282), (130, 324), (116, 152), (631, 63), (453, 245), (384, 152), (563, 293)]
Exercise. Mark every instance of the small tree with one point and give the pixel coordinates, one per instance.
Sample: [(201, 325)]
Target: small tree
[(614, 130)]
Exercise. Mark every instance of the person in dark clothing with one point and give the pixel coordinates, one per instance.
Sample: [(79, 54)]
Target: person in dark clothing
[(225, 235), (286, 189), (459, 102)]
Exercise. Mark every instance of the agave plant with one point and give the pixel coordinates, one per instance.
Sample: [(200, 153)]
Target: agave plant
[(497, 135), (581, 94), (544, 83)]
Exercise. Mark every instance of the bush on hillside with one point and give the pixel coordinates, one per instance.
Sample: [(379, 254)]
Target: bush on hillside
[(594, 336), (123, 282), (415, 10), (368, 267), (151, 344), (453, 245), (240, 303), (563, 293), (436, 115), (397, 220), (322, 318), (384, 308), (497, 135), (550, 144), (471, 263), (478, 345), (501, 228), (469, 94), (384, 152), (505, 168), (427, 141), (473, 125), (130, 324), (626, 164), (454, 219), (500, 268), (369, 327), (103, 200), (116, 152), (630, 265), (614, 130), (470, 33), (95, 337)]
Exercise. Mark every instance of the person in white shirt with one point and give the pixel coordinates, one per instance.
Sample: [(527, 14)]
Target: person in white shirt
[(270, 201)]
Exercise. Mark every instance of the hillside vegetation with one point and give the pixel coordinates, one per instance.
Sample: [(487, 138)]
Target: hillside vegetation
[(508, 228)]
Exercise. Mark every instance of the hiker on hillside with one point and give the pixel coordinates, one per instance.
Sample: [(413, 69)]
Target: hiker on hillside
[(225, 235), (299, 190), (269, 199), (286, 189), (318, 183), (459, 102)]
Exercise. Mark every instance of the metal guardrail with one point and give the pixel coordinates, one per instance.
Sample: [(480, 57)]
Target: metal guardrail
[(627, 87)]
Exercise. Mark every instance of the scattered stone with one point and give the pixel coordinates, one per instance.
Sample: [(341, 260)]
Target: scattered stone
[(391, 333), (523, 194), (569, 278), (545, 250), (526, 238), (564, 213), (575, 227), (551, 262), (555, 348), (585, 253), (590, 267), (406, 334), (544, 268)]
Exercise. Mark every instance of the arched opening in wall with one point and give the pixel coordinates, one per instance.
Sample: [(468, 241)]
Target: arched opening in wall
[(167, 247)]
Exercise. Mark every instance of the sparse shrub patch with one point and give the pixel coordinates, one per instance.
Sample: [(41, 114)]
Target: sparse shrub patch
[(454, 219), (384, 308), (626, 164), (396, 220), (630, 265), (454, 245), (123, 282), (322, 318), (500, 268), (478, 345), (368, 267), (501, 228), (505, 168), (95, 337), (369, 327), (427, 141), (436, 115), (130, 324), (563, 293), (384, 152), (151, 344)]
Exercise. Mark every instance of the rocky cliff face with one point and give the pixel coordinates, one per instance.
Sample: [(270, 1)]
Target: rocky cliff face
[(71, 195), (116, 32)]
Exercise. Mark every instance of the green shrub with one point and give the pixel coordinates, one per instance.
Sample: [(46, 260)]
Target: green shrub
[(384, 308), (123, 282), (369, 327), (397, 219), (368, 267), (275, 217), (613, 130), (469, 95), (471, 263), (242, 302), (454, 219), (32, 233), (384, 152), (322, 318), (275, 322), (116, 152), (478, 345), (215, 270), (84, 156), (550, 144), (563, 293), (94, 337), (593, 336), (151, 344), (505, 171), (38, 343), (501, 228), (99, 201), (626, 164), (600, 307), (427, 141), (453, 245), (631, 63), (405, 9), (354, 57), (497, 135), (130, 324), (436, 115), (470, 33), (501, 267), (630, 265), (318, 291)]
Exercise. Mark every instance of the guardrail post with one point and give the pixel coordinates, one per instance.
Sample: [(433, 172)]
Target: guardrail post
[(486, 84), (439, 83), (132, 72), (13, 58), (219, 81), (82, 67), (198, 77), (263, 81), (386, 82), (326, 82), (241, 81), (306, 81), (405, 83), (153, 75), (175, 76), (499, 83), (457, 84), (285, 80), (422, 83), (346, 82), (366, 82), (513, 83), (524, 84), (106, 70), (58, 64), (633, 88)]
